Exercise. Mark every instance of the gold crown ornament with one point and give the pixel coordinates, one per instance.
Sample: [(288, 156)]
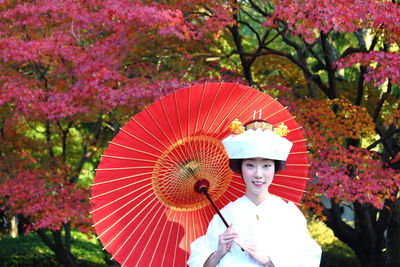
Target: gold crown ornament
[(236, 127)]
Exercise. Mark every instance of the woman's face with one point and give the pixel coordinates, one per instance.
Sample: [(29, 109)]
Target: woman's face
[(258, 174)]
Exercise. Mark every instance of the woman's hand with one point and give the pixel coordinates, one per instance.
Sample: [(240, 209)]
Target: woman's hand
[(225, 242), (254, 253)]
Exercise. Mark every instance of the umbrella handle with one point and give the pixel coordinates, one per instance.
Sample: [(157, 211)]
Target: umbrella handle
[(201, 186)]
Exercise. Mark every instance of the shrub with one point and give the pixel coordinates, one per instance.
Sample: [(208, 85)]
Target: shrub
[(334, 252)]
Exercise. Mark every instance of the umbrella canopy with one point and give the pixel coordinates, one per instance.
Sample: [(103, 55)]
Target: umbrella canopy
[(145, 209)]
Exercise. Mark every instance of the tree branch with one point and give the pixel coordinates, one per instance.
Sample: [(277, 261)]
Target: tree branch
[(246, 63), (386, 136), (360, 86), (341, 229), (67, 228), (350, 51), (46, 239), (315, 78), (379, 105), (64, 139), (251, 29), (258, 9), (328, 65)]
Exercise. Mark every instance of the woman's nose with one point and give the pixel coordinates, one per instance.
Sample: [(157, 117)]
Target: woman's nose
[(258, 173)]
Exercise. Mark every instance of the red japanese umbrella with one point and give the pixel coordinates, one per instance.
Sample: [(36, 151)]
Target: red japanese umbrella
[(146, 205)]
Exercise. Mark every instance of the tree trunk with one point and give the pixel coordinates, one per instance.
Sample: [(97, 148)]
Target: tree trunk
[(65, 257), (14, 227), (365, 239), (393, 237), (61, 251)]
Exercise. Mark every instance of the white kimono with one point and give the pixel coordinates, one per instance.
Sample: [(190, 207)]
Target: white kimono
[(276, 227)]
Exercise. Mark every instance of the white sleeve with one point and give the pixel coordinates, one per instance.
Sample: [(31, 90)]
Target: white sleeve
[(204, 246), (300, 249)]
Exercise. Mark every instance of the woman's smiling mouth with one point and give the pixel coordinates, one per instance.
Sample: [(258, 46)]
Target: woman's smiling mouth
[(258, 183)]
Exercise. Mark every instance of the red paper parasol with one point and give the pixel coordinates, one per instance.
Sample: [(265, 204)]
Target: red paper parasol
[(145, 209)]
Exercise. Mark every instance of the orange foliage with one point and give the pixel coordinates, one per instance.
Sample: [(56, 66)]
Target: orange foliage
[(333, 121)]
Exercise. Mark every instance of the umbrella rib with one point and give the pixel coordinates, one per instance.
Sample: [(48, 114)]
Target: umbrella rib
[(121, 207), (124, 168), (176, 244), (296, 129), (288, 200), (159, 127), (169, 156), (169, 236), (194, 233), (119, 188), (178, 113), (236, 182), (147, 131), (133, 149), (221, 108), (137, 138), (223, 203), (134, 159), (186, 238), (143, 232), (212, 105), (292, 177), (172, 130), (158, 243), (199, 216), (126, 226), (150, 238), (121, 197), (288, 119), (298, 153), (124, 178), (236, 196), (200, 107), (212, 211), (188, 112), (189, 144), (288, 187), (243, 110), (307, 165), (233, 108), (264, 107), (276, 112), (298, 141)]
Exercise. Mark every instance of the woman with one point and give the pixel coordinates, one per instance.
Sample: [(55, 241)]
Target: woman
[(265, 230)]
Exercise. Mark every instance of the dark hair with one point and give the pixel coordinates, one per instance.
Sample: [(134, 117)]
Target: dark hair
[(236, 165)]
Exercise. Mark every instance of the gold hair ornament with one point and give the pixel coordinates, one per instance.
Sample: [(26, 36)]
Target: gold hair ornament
[(236, 127)]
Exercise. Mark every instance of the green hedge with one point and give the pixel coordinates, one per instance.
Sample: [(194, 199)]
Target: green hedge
[(29, 250), (334, 252)]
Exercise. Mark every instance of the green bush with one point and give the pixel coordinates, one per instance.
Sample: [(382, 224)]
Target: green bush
[(334, 252), (29, 250)]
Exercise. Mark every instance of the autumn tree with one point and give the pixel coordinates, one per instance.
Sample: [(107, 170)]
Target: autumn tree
[(71, 73), (336, 65)]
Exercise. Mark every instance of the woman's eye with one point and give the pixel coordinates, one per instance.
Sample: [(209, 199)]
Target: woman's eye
[(267, 165), (249, 165)]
